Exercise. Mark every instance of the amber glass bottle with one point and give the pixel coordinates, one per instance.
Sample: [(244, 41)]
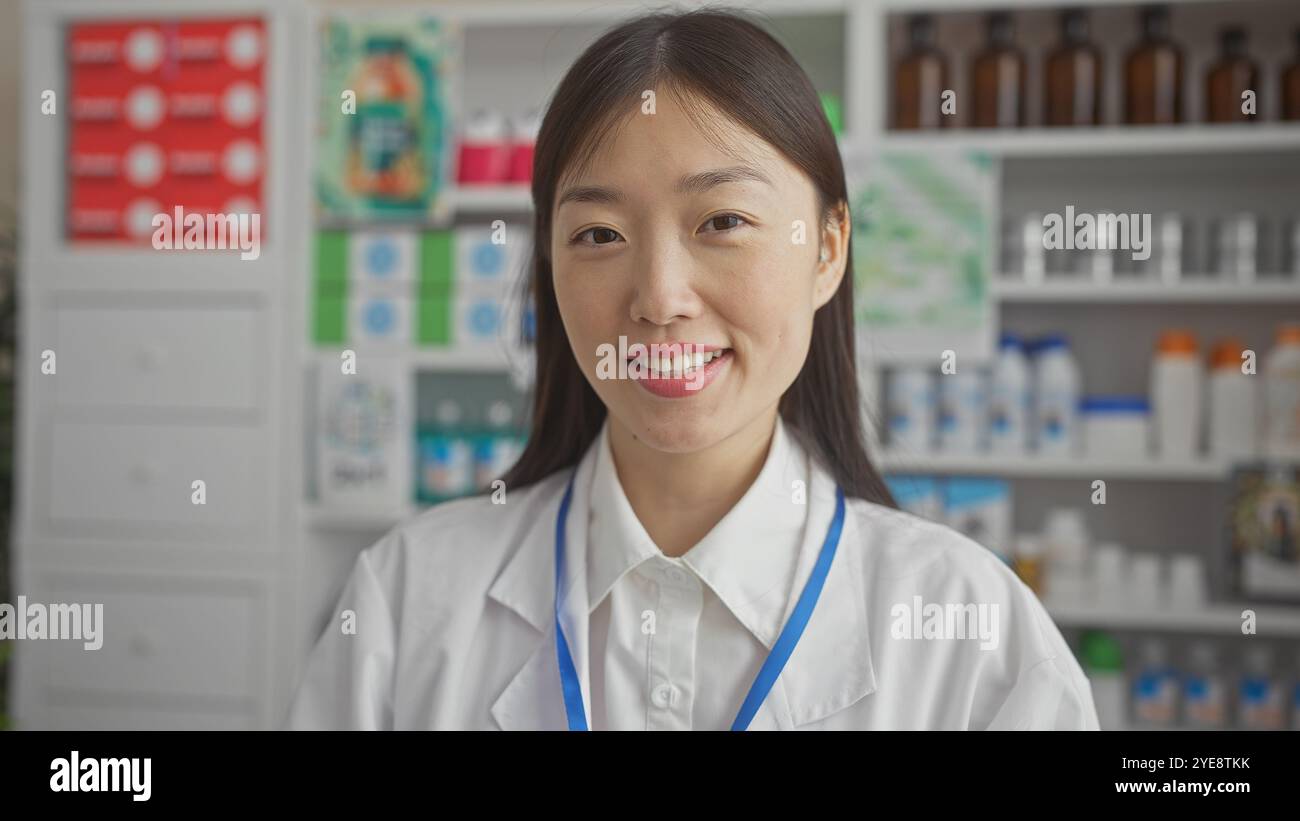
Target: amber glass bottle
[(998, 78), (920, 78), (1072, 91), (1153, 74), (1291, 85), (1229, 78)]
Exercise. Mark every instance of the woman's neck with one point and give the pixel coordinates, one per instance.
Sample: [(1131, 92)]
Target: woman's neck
[(679, 497)]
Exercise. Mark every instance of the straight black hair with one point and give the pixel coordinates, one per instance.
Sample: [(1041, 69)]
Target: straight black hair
[(724, 60)]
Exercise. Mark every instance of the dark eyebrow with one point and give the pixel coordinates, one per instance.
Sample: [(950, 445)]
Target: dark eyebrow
[(690, 184), (590, 193), (704, 180)]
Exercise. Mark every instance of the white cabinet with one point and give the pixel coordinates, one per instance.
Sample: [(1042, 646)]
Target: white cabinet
[(171, 368)]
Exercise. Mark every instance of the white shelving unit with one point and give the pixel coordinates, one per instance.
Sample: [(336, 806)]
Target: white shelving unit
[(1212, 620), (1193, 289), (1120, 141), (1042, 467)]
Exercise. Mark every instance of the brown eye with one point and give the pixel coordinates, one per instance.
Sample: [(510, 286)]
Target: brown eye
[(723, 222), (597, 236)]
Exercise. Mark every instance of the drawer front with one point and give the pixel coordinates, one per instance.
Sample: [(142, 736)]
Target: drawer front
[(74, 715), (140, 476), (186, 358), (162, 643)]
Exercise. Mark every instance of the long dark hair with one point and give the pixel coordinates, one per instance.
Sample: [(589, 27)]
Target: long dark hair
[(733, 64)]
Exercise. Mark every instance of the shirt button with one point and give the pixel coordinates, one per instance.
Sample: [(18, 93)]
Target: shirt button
[(663, 695), (675, 576)]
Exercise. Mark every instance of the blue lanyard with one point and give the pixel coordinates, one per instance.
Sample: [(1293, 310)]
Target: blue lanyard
[(776, 659)]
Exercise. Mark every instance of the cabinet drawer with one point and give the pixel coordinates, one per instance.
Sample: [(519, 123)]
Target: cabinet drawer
[(186, 357), (141, 475), (162, 641), (76, 716)]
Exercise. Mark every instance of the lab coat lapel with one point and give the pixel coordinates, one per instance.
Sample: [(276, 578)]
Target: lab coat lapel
[(533, 699), (830, 669)]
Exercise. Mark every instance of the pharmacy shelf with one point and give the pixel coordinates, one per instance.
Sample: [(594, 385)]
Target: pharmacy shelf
[(490, 199), (1104, 140), (1009, 288), (1029, 466), (1271, 622), (426, 359)]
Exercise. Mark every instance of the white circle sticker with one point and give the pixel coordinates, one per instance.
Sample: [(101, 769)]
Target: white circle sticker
[(139, 217), (240, 104), (241, 162), (144, 49), (243, 47), (144, 164), (241, 205), (144, 107)]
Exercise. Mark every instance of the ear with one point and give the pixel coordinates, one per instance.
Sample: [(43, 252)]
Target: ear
[(834, 254)]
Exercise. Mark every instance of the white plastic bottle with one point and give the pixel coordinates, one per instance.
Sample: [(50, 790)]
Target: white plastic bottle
[(962, 406), (910, 409), (1282, 395), (1176, 385), (1056, 397), (1205, 694), (1233, 405), (1008, 416)]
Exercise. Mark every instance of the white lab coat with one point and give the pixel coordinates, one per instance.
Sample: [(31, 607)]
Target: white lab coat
[(454, 628)]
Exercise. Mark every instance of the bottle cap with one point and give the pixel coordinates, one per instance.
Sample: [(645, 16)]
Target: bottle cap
[(1155, 21), (1226, 353), (921, 29), (1010, 340), (448, 413), (500, 414), (1288, 334), (1176, 342), (1074, 25), (1232, 40), (1101, 652), (1001, 28), (1052, 342)]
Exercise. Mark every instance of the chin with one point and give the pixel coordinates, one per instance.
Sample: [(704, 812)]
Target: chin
[(676, 431)]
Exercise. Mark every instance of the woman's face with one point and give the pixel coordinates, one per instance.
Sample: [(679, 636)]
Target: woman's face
[(668, 237)]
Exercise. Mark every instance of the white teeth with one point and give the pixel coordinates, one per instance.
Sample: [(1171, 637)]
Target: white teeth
[(679, 365)]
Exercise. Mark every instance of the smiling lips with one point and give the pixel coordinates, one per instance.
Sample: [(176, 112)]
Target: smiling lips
[(678, 369)]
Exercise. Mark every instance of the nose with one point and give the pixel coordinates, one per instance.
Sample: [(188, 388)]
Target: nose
[(664, 289)]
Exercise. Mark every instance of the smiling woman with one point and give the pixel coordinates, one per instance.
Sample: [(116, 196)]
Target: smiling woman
[(695, 537)]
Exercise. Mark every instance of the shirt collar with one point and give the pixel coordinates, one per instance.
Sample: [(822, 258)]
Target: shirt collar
[(748, 559)]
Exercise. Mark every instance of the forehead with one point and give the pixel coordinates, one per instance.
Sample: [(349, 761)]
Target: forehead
[(684, 134)]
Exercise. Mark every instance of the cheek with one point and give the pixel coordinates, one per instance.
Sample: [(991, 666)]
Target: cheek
[(772, 302)]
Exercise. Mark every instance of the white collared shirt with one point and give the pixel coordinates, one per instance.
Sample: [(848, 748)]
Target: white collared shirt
[(454, 613), (684, 637)]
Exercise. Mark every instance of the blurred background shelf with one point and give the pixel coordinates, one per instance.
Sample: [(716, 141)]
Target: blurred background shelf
[(427, 359), (1009, 289), (1104, 140), (1273, 621), (987, 464)]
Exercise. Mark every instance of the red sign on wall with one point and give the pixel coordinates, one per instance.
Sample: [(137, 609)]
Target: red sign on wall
[(163, 114)]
